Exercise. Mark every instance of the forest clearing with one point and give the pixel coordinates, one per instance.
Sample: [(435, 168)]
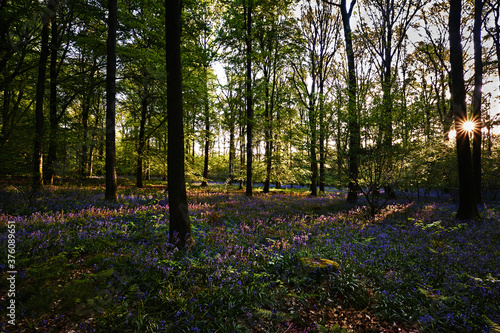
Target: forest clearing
[(85, 265)]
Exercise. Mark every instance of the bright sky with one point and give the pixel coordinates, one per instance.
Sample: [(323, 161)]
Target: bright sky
[(491, 83)]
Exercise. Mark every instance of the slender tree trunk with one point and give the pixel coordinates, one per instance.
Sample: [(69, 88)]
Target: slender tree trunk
[(91, 160), (180, 225), (207, 151), (85, 124), (94, 139), (148, 161), (314, 158), (476, 99), (278, 147), (242, 151), (338, 141), (467, 208), (249, 95), (267, 134), (111, 181), (142, 139), (322, 131), (206, 110), (4, 133), (232, 151)]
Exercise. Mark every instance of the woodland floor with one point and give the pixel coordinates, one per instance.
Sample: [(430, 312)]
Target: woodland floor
[(84, 265)]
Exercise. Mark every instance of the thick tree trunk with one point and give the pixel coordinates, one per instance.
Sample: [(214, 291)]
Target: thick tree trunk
[(353, 123), (53, 117), (111, 182), (180, 225), (40, 92), (476, 100), (467, 208)]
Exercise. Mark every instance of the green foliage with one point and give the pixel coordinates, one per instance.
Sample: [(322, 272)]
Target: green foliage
[(269, 262)]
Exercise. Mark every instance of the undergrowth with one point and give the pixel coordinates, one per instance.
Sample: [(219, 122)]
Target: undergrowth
[(87, 266)]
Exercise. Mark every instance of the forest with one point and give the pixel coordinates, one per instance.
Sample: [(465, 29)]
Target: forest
[(250, 166)]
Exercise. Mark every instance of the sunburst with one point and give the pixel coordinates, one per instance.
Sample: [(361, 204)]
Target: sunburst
[(469, 126)]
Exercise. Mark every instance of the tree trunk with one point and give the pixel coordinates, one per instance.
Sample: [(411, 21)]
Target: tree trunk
[(467, 208), (249, 96), (85, 124), (322, 132), (267, 134), (387, 109), (207, 151), (142, 139), (93, 143), (353, 124), (242, 151), (180, 225), (232, 150), (313, 127), (111, 182), (314, 158), (40, 92), (206, 109), (278, 144), (476, 100), (148, 161), (53, 117)]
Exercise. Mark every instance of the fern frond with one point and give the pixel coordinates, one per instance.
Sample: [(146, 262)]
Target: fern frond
[(494, 327), (280, 316)]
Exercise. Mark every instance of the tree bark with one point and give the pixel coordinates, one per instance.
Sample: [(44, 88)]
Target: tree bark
[(53, 117), (232, 149), (111, 182), (180, 225), (495, 32), (267, 133), (476, 100), (467, 208), (142, 139), (40, 92), (322, 139), (249, 95), (206, 110), (353, 124), (312, 126), (85, 124)]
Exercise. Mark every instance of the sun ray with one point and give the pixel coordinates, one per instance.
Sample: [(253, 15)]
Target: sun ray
[(468, 126)]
